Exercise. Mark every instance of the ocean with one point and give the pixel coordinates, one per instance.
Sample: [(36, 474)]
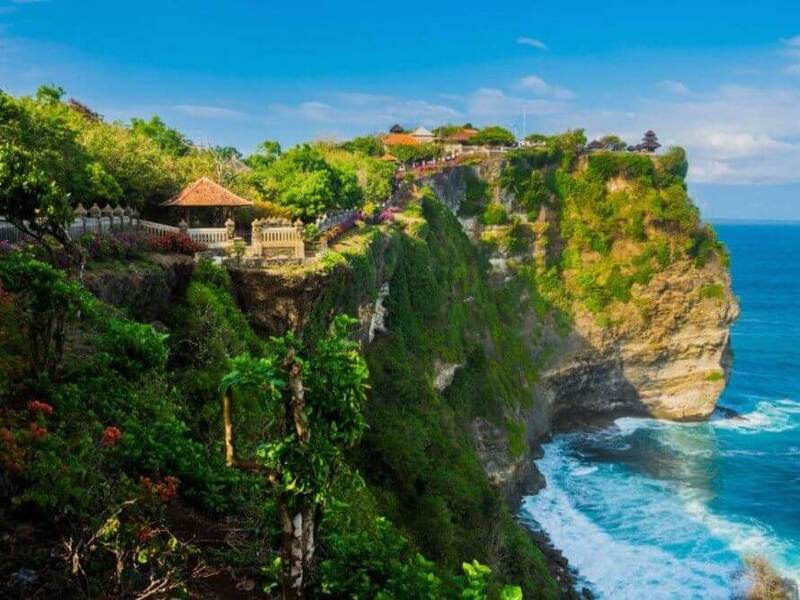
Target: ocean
[(651, 509)]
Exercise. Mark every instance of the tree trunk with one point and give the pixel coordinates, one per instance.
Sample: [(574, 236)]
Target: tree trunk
[(298, 550)]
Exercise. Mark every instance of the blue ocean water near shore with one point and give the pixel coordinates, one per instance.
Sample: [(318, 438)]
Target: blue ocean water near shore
[(649, 509)]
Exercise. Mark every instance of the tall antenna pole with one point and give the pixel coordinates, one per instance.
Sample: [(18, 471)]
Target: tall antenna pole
[(524, 120)]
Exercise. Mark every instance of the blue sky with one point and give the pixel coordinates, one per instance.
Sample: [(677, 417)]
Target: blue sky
[(720, 78)]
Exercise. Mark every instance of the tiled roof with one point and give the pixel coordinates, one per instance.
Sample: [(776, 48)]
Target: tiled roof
[(462, 136), (400, 139), (388, 157), (205, 192)]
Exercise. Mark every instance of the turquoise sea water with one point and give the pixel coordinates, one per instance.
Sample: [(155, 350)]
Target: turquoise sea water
[(649, 509)]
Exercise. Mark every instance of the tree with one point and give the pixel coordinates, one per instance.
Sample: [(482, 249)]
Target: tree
[(307, 184), (416, 153), (41, 165), (267, 152), (370, 145), (674, 162), (169, 140), (613, 142), (493, 135), (314, 405)]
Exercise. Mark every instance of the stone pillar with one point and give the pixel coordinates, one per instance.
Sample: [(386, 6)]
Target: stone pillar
[(118, 212), (255, 236), (230, 228), (94, 212), (81, 213), (183, 226), (107, 211)]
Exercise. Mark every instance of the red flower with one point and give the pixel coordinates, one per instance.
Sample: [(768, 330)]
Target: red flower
[(169, 489), (37, 433), (145, 533), (166, 489), (42, 407), (110, 437), (7, 436)]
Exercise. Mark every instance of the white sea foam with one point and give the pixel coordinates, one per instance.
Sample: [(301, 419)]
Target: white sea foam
[(620, 558), (769, 416), (746, 539)]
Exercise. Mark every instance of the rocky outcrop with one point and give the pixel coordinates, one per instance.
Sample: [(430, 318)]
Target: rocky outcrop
[(145, 288), (667, 353)]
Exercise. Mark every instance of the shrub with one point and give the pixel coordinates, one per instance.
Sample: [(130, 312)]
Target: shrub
[(712, 291), (495, 214), (179, 243), (607, 165)]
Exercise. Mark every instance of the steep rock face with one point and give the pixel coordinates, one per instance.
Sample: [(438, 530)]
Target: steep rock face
[(146, 288), (672, 363), (665, 354)]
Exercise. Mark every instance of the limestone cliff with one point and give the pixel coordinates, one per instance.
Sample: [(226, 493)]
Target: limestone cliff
[(664, 352)]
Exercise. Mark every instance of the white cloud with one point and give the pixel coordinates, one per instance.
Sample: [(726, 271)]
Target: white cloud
[(532, 42), (371, 112), (208, 112), (540, 87), (793, 41), (675, 87)]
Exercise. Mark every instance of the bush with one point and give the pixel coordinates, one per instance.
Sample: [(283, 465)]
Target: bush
[(495, 214), (179, 243), (608, 165)]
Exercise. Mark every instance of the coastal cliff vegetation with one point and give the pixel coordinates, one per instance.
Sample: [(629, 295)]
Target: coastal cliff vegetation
[(164, 420)]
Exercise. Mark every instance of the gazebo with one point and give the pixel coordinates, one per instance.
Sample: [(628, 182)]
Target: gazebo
[(206, 193)]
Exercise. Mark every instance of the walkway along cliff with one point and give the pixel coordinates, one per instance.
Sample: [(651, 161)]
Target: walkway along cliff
[(507, 297)]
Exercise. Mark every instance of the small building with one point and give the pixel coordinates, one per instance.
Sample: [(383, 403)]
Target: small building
[(595, 145), (424, 136), (649, 143), (388, 157), (454, 143), (400, 139), (206, 194)]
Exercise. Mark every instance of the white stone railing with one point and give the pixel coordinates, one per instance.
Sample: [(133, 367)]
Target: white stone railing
[(158, 229), (213, 237)]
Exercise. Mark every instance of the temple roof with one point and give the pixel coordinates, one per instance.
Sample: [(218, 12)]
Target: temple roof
[(205, 192), (388, 157), (422, 132), (400, 139)]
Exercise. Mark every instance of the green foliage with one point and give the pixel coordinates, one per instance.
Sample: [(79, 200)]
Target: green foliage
[(417, 453), (613, 142), (476, 195), (674, 162), (308, 185), (417, 152), (46, 301), (527, 184), (334, 379), (495, 214), (169, 140), (607, 165), (267, 152), (493, 135), (371, 145), (715, 376), (712, 291)]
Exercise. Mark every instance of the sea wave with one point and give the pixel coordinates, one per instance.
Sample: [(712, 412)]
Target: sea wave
[(745, 538), (668, 559), (769, 416)]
